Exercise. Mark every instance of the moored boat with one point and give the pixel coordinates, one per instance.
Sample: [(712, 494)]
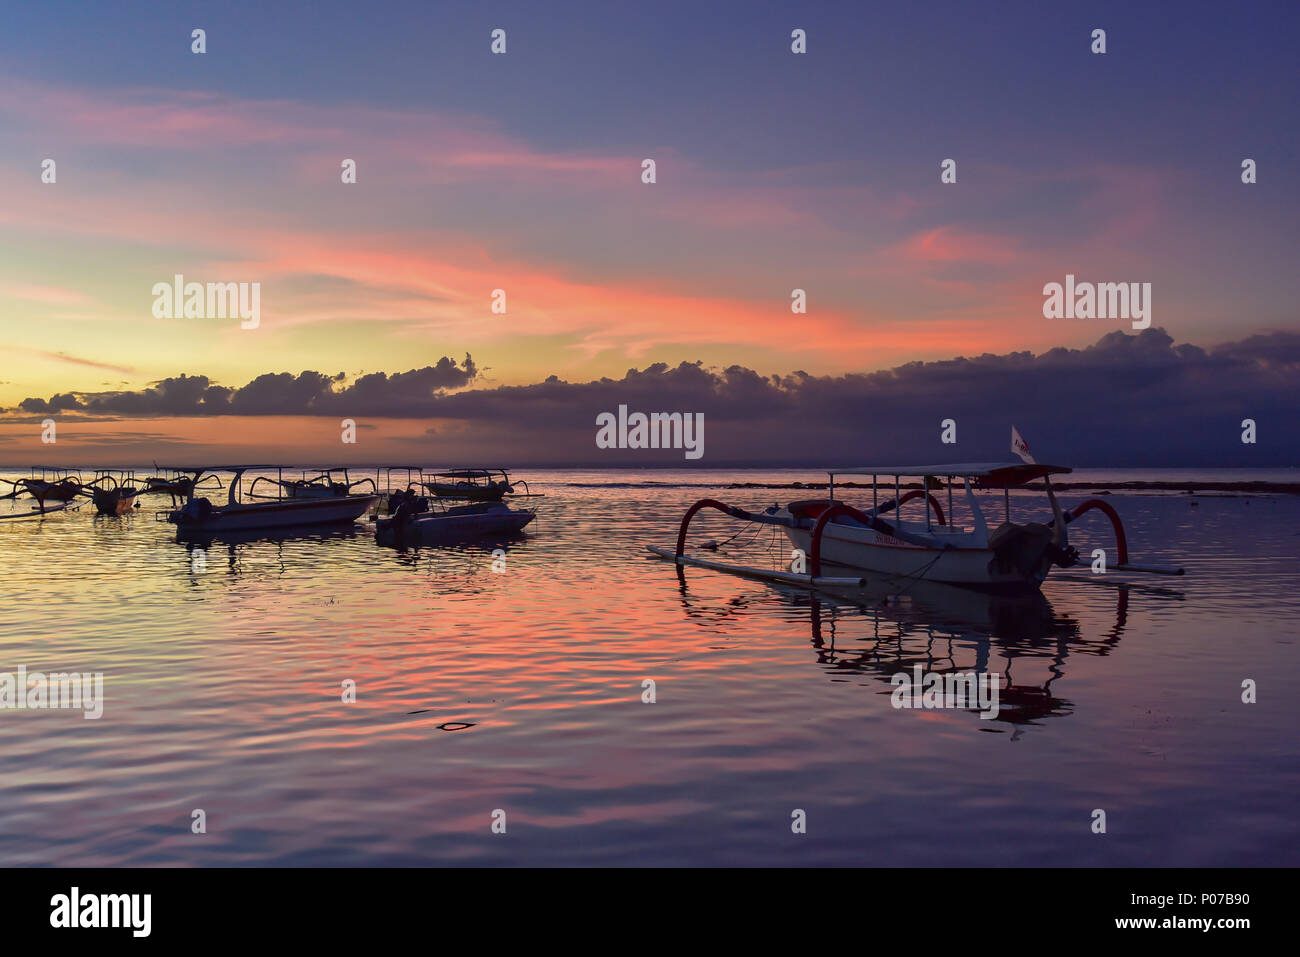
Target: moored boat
[(199, 515), (832, 537), (1011, 557), (323, 484), (114, 501), (47, 484), (476, 485), (113, 494), (411, 521), (177, 485)]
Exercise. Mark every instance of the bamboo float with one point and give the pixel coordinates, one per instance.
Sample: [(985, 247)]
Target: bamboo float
[(1148, 569), (749, 571)]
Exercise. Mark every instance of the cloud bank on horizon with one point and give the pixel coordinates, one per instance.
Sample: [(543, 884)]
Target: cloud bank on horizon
[(1126, 400)]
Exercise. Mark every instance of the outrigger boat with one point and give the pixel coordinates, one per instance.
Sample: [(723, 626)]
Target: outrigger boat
[(198, 515), (177, 485), (852, 541), (51, 485), (321, 485), (114, 494), (477, 485)]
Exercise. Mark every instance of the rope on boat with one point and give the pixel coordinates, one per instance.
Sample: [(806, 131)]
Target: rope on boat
[(752, 530), (917, 576)]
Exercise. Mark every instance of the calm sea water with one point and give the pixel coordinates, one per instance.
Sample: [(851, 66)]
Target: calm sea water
[(521, 691)]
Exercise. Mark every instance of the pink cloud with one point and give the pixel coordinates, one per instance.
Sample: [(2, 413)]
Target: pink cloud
[(74, 360), (952, 244), (439, 277)]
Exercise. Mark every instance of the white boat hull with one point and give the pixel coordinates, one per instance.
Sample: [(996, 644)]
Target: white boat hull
[(865, 549), (458, 524), (288, 513)]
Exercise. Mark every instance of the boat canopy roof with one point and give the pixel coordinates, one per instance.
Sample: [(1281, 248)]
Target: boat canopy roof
[(987, 474), (470, 473), (218, 468)]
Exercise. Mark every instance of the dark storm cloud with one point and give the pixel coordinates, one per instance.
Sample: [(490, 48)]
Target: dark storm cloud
[(273, 393), (1125, 400)]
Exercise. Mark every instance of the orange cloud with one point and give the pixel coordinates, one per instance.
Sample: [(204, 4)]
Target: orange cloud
[(952, 244)]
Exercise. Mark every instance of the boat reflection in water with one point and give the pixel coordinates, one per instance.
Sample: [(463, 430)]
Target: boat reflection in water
[(208, 551), (467, 570), (892, 626)]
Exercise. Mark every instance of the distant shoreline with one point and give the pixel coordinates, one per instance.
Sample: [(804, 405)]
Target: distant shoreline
[(1189, 488)]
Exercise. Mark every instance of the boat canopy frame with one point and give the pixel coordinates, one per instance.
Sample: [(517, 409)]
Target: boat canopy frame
[(313, 477), (478, 478), (486, 473), (236, 471), (986, 475)]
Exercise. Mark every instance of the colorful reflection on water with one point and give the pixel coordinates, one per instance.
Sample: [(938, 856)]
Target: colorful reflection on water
[(522, 690)]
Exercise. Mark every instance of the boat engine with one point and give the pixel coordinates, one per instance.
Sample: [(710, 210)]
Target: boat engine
[(196, 510), (1022, 548), (406, 505)]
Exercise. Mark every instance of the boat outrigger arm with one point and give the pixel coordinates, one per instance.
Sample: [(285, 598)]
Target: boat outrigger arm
[(190, 488)]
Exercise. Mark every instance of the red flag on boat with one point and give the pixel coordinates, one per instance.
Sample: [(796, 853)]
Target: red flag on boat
[(1021, 447)]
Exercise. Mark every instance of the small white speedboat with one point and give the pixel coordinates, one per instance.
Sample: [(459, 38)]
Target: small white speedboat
[(459, 523)]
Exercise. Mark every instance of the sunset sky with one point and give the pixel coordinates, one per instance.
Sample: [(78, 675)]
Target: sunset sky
[(522, 172)]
